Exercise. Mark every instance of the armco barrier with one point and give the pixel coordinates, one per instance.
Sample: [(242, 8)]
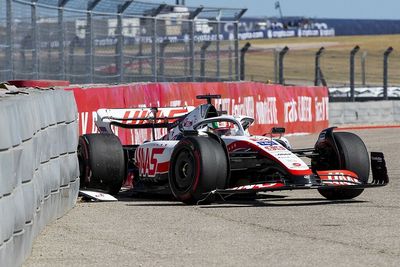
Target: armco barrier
[(39, 173), (298, 109), (364, 113)]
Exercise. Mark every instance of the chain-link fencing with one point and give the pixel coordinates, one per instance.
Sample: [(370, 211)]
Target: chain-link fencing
[(322, 65), (113, 41)]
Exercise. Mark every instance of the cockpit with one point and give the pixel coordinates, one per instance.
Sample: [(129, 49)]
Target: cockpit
[(221, 125)]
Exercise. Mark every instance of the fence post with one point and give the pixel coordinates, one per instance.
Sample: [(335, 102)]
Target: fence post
[(203, 49), (35, 55), (230, 62), (120, 42), (61, 39), (353, 52), (282, 54), (154, 40), (363, 67), (236, 37), (191, 50), (9, 42), (192, 16), (163, 45), (276, 65), (89, 46), (89, 39), (242, 63), (154, 50), (119, 48), (140, 54), (385, 71), (71, 56), (317, 74), (218, 46)]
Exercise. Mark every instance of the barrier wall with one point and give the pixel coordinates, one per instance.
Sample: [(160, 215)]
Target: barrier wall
[(364, 113), (39, 173), (298, 109)]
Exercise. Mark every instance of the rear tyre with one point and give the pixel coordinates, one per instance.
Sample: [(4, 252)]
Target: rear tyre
[(198, 165), (353, 156), (101, 162)]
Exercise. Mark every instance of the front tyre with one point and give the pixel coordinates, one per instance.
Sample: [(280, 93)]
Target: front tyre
[(198, 165), (353, 156)]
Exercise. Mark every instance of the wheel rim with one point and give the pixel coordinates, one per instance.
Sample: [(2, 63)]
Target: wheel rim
[(184, 170)]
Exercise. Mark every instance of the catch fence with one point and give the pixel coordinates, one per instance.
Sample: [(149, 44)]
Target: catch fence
[(114, 41)]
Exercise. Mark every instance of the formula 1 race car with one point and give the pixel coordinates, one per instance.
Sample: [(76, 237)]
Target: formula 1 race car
[(204, 153)]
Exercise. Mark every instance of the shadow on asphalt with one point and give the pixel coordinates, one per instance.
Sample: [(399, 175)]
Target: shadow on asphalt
[(264, 200), (293, 202)]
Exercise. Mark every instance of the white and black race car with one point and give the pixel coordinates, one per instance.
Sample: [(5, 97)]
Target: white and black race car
[(204, 153)]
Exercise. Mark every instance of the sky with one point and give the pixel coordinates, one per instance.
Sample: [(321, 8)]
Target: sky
[(349, 9)]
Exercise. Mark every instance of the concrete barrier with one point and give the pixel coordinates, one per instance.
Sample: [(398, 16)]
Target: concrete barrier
[(39, 172), (364, 113)]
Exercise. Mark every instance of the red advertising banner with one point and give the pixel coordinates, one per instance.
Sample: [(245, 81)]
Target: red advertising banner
[(298, 109)]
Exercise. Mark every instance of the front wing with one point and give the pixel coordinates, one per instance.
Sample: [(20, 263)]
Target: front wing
[(327, 179)]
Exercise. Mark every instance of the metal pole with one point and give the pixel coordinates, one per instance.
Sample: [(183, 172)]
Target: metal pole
[(218, 49), (276, 65), (140, 54), (163, 45), (281, 56), (35, 47), (352, 55), (230, 62), (236, 36), (203, 49), (9, 42), (186, 62), (192, 17), (363, 68), (89, 46), (154, 50), (119, 49), (317, 75), (191, 50), (242, 63), (71, 57), (385, 71), (120, 42), (154, 13), (61, 39)]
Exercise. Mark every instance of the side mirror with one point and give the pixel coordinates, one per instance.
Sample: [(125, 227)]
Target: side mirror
[(278, 130)]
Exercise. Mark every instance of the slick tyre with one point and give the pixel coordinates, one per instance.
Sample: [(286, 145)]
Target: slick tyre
[(101, 162), (198, 165), (354, 157)]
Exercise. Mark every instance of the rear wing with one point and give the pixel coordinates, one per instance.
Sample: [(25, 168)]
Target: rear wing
[(140, 118)]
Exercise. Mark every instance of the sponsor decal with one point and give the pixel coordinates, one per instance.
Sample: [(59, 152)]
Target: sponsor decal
[(296, 108), (147, 161), (339, 177), (266, 143), (257, 186), (274, 148)]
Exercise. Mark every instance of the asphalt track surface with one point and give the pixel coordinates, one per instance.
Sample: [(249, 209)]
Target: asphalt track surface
[(288, 228)]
